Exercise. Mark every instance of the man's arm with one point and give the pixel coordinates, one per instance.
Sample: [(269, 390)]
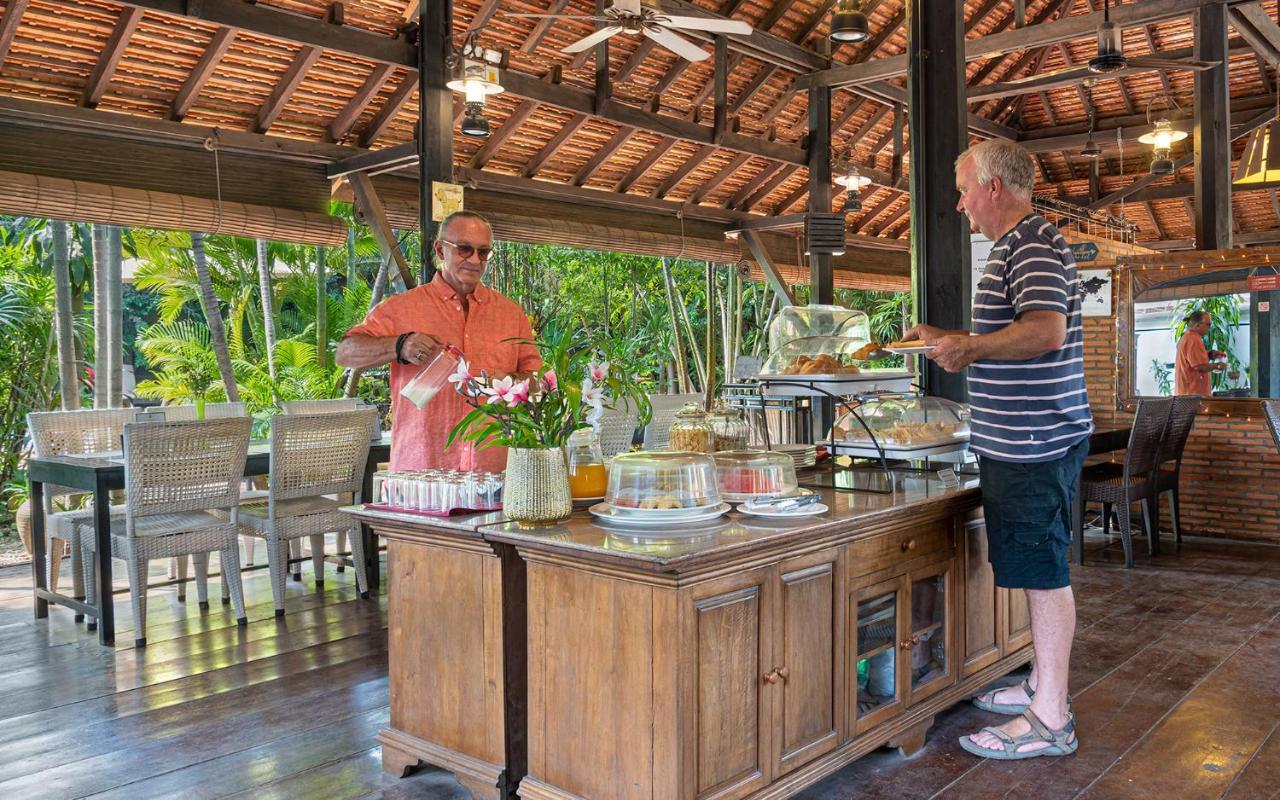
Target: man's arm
[(930, 334), (1031, 335), (360, 351)]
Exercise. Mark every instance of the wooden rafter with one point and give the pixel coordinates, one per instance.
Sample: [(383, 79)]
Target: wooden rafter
[(603, 154), (752, 89), (110, 57), (658, 151), (346, 118), (765, 189), (634, 60), (289, 82), (487, 9), (408, 85), (562, 135), (543, 25), (788, 202), (13, 11), (713, 183), (204, 68), (497, 138), (820, 13), (693, 162), (749, 188)]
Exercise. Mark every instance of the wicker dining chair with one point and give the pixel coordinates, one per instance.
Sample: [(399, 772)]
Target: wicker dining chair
[(182, 492), (312, 455), (321, 406), (56, 433), (1128, 483), (1182, 417), (187, 412), (617, 430)]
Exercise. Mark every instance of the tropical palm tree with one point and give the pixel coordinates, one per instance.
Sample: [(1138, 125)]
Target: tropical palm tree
[(267, 300), (213, 317), (69, 386)]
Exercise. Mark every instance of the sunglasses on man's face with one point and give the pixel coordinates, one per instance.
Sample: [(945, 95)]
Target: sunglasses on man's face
[(466, 251)]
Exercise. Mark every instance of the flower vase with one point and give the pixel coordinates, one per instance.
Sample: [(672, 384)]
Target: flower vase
[(200, 408), (537, 486)]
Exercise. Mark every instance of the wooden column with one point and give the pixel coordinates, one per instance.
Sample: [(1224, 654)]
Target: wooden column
[(821, 277), (435, 116), (1212, 137), (1264, 330), (939, 234)]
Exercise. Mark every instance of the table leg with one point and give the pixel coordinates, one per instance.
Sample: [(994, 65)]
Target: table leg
[(38, 573), (370, 538), (102, 565)]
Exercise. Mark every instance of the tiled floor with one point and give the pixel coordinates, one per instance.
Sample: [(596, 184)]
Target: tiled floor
[(1176, 678)]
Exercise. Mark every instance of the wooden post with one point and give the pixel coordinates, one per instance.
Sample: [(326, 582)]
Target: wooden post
[(1212, 137), (1264, 331), (720, 92), (939, 240), (821, 277), (603, 89), (435, 116)]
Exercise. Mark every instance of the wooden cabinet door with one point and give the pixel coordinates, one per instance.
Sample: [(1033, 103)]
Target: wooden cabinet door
[(809, 641), (929, 658), (877, 618), (1016, 630), (981, 637), (728, 636)]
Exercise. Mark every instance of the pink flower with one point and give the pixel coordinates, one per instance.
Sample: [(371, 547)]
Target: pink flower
[(591, 394), (518, 394), (499, 390), (462, 374), (550, 380), (598, 371)]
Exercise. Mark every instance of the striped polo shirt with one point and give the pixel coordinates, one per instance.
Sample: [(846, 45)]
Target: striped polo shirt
[(1032, 410)]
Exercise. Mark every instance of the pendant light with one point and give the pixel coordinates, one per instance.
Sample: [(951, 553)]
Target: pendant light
[(1161, 138), (475, 81), (1260, 162), (853, 182), (848, 22), (1091, 149)]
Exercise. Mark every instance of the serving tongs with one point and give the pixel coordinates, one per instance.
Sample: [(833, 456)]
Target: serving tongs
[(786, 503)]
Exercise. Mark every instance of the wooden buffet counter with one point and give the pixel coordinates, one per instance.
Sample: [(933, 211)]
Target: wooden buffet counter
[(745, 657)]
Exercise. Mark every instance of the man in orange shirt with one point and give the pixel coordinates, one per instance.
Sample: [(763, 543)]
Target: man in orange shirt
[(455, 308), (1192, 368)]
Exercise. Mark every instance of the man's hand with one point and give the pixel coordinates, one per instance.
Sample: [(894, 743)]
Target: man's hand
[(1218, 366), (419, 348), (952, 353), (929, 334)]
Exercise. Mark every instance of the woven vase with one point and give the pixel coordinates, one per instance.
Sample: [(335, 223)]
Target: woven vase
[(537, 486)]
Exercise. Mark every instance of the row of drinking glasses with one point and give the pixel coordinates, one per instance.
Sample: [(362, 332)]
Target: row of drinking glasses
[(438, 491)]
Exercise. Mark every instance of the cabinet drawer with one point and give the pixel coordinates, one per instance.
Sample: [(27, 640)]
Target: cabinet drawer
[(887, 549)]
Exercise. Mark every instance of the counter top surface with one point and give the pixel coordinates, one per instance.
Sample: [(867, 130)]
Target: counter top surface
[(457, 523), (734, 533)]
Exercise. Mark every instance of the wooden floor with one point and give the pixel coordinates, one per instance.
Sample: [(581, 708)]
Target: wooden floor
[(1176, 676)]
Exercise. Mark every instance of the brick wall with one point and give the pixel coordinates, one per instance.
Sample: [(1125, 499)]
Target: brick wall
[(1230, 469)]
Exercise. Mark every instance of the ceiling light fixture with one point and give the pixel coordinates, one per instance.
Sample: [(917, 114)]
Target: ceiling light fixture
[(1091, 149), (848, 23), (475, 80), (853, 182), (1161, 139)]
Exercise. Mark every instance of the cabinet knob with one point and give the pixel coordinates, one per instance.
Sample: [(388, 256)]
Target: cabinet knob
[(906, 644), (909, 544), (782, 672), (771, 676)]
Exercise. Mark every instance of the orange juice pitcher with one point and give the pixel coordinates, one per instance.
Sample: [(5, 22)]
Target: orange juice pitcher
[(588, 478)]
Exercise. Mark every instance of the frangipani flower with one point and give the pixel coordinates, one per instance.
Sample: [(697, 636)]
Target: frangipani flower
[(591, 394), (550, 380), (462, 374), (519, 394), (598, 371), (499, 390)]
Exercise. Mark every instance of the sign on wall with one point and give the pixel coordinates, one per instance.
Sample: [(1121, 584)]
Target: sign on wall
[(1084, 251), (1264, 283), (446, 199), (1095, 292)]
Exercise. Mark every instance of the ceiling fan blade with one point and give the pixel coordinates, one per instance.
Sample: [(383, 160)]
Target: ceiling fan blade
[(734, 26), (1155, 62), (1065, 73), (588, 42), (563, 16), (676, 44)]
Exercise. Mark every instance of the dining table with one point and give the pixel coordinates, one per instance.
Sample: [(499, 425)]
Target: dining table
[(103, 473)]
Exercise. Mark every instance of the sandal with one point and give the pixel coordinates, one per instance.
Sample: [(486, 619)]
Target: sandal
[(1009, 709), (1059, 741)]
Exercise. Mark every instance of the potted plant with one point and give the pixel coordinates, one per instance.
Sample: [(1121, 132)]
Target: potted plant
[(533, 417)]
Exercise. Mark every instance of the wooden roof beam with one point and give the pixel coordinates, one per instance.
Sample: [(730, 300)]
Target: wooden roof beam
[(346, 119), (713, 183), (543, 25), (656, 152), (691, 163), (749, 188), (788, 202), (13, 11), (765, 189), (500, 136), (109, 59), (1258, 29), (562, 135), (391, 110), (1062, 30), (634, 61), (752, 89), (603, 154), (289, 83), (204, 68)]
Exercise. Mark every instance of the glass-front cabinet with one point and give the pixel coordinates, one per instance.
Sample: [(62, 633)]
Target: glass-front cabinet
[(930, 650)]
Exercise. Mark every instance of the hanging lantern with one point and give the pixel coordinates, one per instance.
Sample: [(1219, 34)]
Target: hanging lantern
[(1091, 149), (848, 22), (853, 182), (475, 81), (1161, 139)]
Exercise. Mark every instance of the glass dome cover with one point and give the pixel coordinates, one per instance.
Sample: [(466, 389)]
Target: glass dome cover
[(799, 322), (905, 421), (662, 481), (747, 474), (819, 355)]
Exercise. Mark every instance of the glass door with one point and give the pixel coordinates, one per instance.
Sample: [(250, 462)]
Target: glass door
[(928, 648), (877, 618)]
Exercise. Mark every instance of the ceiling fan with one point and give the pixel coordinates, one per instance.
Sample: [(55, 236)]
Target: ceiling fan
[(633, 16), (1111, 58)]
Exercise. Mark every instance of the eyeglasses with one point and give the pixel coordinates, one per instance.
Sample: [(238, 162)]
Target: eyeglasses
[(466, 251)]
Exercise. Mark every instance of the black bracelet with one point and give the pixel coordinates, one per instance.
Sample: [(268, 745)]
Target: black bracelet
[(399, 344)]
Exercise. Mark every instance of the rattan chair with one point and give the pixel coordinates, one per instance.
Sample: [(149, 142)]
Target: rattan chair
[(1182, 417), (311, 456), (617, 430), (56, 433), (321, 406), (1132, 482), (186, 413), (182, 492), (657, 434)]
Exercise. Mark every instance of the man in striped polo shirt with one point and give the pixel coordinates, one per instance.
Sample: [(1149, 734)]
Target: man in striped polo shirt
[(1030, 427)]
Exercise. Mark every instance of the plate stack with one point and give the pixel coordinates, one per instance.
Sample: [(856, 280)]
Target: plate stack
[(805, 455)]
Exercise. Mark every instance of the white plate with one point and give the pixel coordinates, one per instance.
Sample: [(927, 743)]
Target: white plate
[(666, 513), (803, 511), (607, 512), (907, 351)]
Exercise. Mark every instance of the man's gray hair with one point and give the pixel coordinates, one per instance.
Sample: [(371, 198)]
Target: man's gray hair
[(444, 224), (1197, 317), (1003, 159)]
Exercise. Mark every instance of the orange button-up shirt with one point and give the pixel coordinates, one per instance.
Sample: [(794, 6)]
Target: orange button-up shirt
[(482, 333), (1186, 378)]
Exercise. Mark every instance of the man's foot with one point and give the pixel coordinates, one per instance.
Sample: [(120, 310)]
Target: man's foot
[(1010, 700), (1054, 736)]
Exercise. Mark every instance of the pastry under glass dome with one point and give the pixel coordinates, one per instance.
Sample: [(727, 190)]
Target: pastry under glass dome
[(905, 421), (819, 355), (799, 322), (662, 481), (751, 474)]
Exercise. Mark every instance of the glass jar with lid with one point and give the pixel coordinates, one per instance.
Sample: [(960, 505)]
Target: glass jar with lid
[(729, 431), (691, 431), (588, 477)]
